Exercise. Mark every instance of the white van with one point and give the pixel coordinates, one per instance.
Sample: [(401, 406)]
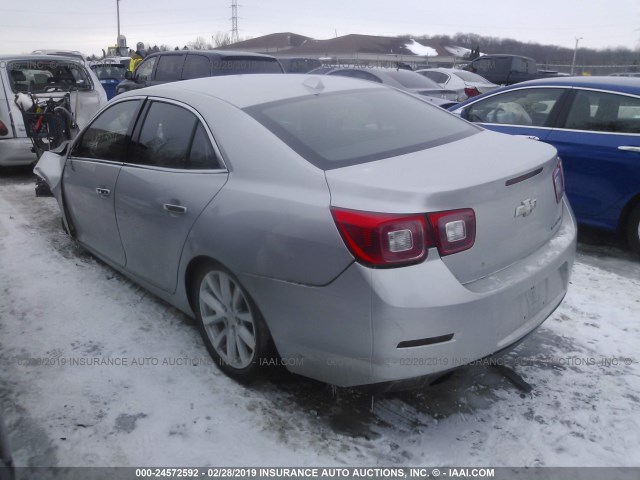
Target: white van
[(43, 76)]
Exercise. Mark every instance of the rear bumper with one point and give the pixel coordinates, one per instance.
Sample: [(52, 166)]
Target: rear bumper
[(377, 326), (16, 151)]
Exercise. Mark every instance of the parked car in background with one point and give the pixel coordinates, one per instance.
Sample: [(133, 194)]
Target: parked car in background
[(594, 122), (345, 233), (110, 74), (46, 77), (508, 69), (62, 53), (404, 80), (298, 64), (466, 84), (165, 67)]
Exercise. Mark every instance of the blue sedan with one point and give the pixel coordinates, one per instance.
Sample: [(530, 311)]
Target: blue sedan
[(594, 123)]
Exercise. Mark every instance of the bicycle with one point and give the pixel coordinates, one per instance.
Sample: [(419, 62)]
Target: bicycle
[(48, 123)]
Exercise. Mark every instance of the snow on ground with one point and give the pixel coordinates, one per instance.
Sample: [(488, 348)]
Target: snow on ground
[(165, 404), (422, 50)]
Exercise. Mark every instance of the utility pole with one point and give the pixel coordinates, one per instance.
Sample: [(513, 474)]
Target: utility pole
[(234, 21), (575, 52), (118, 12)]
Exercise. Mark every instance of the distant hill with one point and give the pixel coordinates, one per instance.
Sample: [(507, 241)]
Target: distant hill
[(543, 54)]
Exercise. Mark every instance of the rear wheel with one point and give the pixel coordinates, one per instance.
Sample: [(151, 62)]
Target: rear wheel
[(633, 230), (231, 326)]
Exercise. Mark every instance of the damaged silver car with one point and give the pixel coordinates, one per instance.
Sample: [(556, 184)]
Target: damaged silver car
[(355, 230)]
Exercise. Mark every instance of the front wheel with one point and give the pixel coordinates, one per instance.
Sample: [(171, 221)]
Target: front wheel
[(231, 326), (633, 230)]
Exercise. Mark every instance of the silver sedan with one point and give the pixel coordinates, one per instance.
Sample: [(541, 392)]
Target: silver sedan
[(350, 231)]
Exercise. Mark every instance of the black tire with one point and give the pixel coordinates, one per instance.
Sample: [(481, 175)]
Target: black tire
[(222, 305), (633, 230)]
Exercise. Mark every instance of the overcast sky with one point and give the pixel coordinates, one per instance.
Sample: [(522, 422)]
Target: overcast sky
[(90, 25)]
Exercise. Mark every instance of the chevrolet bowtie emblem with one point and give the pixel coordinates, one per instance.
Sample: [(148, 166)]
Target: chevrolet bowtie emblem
[(526, 207)]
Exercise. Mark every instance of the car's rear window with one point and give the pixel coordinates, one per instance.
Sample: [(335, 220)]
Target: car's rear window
[(357, 126), (411, 79), (240, 65), (469, 76), (38, 76)]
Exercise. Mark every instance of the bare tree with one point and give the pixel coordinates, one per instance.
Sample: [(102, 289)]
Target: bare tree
[(199, 44), (222, 39)]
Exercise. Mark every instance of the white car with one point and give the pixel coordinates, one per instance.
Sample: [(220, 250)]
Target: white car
[(41, 77), (466, 84)]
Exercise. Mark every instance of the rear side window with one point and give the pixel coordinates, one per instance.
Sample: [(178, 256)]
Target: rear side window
[(169, 68), (173, 137), (106, 138), (358, 126), (196, 66), (240, 65), (604, 112)]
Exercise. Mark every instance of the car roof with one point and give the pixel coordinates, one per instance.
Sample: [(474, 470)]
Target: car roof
[(247, 90), (619, 84), (38, 57), (213, 53)]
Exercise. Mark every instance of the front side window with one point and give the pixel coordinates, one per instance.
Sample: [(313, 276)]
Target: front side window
[(145, 69), (357, 126), (169, 68), (604, 112), (527, 107), (173, 137), (106, 138)]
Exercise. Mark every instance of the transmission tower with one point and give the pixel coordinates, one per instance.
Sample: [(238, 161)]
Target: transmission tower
[(234, 21)]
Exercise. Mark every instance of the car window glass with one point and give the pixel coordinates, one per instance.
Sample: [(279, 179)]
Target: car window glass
[(106, 137), (358, 126), (240, 65), (356, 74), (144, 70), (39, 76), (196, 66), (202, 155), (528, 106), (411, 79), (165, 137), (604, 112), (169, 68)]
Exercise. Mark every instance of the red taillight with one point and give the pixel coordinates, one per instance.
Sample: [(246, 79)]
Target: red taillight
[(455, 230), (471, 91), (558, 181), (383, 239), (3, 129), (386, 239)]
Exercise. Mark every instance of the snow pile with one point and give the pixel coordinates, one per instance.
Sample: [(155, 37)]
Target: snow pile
[(421, 50), (96, 371), (456, 51)]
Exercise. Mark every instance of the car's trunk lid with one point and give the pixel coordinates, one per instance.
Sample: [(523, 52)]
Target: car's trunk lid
[(507, 181)]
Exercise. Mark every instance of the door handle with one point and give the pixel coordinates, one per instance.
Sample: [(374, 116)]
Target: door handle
[(629, 148), (530, 137), (168, 207), (103, 192)]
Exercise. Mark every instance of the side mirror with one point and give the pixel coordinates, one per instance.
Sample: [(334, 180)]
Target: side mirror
[(464, 113), (128, 75)]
